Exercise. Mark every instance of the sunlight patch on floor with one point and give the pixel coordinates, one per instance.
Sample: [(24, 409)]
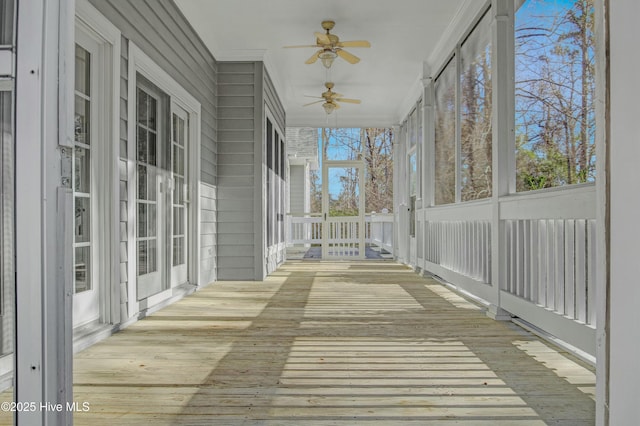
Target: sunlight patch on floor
[(562, 366)]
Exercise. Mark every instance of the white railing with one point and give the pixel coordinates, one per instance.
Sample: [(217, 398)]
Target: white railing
[(306, 228), (546, 256), (381, 230)]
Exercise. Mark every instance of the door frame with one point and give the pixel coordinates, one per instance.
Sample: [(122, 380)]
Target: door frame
[(140, 62), (326, 165), (105, 197)]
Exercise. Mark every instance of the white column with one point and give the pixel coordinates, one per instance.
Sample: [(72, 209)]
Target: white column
[(396, 191), (624, 232), (602, 320), (503, 163), (43, 269)]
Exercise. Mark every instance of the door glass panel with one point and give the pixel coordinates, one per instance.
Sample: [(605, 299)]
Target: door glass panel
[(179, 215), (142, 257), (152, 152), (83, 220), (82, 172), (147, 182), (6, 22), (82, 269), (7, 240)]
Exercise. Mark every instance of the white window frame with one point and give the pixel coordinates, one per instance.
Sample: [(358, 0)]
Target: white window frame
[(101, 30), (140, 62)]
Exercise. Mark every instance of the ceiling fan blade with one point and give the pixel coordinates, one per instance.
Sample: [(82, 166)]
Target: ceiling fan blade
[(349, 101), (313, 58), (312, 103), (352, 59), (306, 45), (354, 43), (322, 38), (316, 97)]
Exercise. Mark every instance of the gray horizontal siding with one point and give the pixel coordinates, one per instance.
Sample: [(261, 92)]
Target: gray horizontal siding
[(161, 31), (208, 234), (296, 188), (237, 140), (272, 99)]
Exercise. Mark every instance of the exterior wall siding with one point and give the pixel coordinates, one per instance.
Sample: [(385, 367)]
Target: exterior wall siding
[(237, 139), (296, 188), (161, 31), (208, 231)]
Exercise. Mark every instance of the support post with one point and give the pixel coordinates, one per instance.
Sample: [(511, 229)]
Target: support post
[(503, 153), (601, 32), (43, 350)]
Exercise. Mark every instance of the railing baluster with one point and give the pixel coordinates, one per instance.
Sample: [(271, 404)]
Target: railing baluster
[(569, 268)]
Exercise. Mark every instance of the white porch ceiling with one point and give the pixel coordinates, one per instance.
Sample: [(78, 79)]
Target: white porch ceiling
[(404, 34)]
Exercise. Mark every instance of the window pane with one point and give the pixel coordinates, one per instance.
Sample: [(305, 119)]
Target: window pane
[(152, 215), (82, 120), (142, 107), (445, 135), (555, 85), (82, 219), (7, 237), (6, 22), (153, 148), (83, 71), (142, 182), (413, 173), (153, 255), (475, 112), (142, 257), (178, 190), (152, 106), (178, 251), (82, 172), (142, 220), (142, 145), (82, 269), (152, 183), (178, 220)]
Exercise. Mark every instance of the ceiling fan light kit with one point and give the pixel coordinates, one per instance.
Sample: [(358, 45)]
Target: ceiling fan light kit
[(327, 57), (330, 48), (329, 107)]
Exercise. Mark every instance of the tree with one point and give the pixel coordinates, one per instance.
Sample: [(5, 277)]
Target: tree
[(375, 147), (555, 85)]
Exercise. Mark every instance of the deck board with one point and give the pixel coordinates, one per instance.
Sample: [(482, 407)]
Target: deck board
[(329, 343)]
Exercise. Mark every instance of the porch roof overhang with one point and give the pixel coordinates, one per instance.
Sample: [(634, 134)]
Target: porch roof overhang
[(408, 39)]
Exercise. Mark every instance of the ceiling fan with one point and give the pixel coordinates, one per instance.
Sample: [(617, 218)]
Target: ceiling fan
[(331, 47), (331, 99)]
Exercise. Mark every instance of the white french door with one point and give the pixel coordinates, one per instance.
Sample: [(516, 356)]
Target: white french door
[(343, 227), (180, 197), (162, 137), (86, 299)]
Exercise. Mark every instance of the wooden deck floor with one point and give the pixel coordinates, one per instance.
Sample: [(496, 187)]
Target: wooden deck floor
[(331, 344)]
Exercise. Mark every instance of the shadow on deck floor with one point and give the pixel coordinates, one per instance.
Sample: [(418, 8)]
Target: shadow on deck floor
[(321, 343)]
